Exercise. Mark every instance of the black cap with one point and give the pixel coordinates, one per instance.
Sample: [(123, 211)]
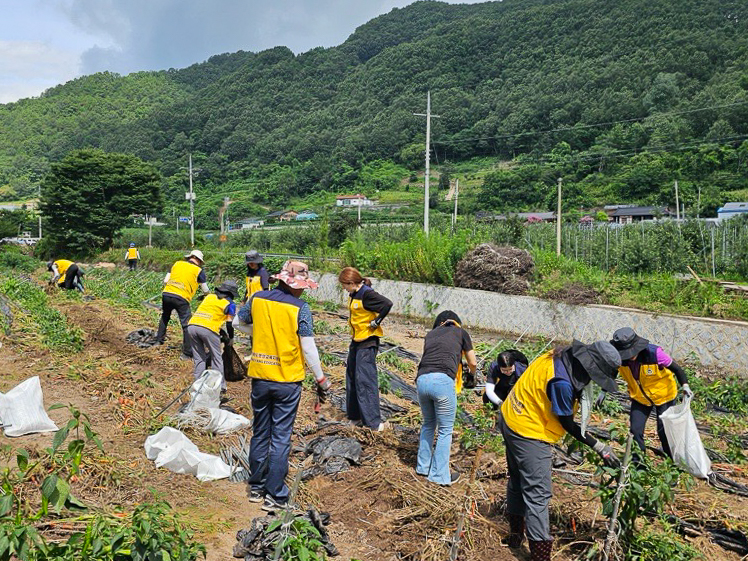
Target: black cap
[(628, 343), (253, 257), (229, 288), (600, 360)]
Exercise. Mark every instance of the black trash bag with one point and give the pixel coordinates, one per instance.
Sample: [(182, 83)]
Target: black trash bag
[(332, 455), (234, 369)]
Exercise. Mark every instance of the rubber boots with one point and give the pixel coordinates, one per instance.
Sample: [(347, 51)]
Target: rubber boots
[(516, 530), (541, 551)]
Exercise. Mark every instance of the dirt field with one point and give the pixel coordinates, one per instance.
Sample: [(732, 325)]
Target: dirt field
[(381, 511)]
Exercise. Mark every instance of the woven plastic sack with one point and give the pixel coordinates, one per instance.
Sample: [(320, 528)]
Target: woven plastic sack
[(206, 391), (685, 442), (22, 409), (171, 449)]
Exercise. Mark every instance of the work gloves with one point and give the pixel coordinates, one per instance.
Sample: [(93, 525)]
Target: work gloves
[(607, 455), (687, 390), (323, 386), (373, 324)]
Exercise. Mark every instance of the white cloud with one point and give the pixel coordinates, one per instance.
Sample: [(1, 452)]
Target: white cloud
[(27, 68)]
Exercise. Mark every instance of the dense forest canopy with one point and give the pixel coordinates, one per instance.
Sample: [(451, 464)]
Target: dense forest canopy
[(619, 98)]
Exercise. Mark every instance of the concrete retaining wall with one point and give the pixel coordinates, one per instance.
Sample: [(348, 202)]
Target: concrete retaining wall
[(712, 341)]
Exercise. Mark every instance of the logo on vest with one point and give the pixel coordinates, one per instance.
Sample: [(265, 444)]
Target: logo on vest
[(355, 305)]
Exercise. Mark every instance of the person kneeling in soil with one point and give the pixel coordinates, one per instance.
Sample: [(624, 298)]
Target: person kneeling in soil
[(503, 373), (66, 274), (205, 328), (438, 381), (536, 414), (368, 309), (650, 375), (282, 342)]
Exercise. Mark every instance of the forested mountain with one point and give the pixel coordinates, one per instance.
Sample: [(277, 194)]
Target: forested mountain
[(514, 78)]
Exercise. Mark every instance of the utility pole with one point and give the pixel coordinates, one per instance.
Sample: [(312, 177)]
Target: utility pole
[(38, 211), (677, 204), (358, 200), (558, 218), (191, 197), (150, 228), (457, 194), (428, 116)]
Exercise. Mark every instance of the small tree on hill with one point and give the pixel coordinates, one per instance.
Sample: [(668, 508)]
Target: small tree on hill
[(88, 197)]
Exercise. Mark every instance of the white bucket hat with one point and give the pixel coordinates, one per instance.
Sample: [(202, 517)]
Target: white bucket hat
[(197, 254)]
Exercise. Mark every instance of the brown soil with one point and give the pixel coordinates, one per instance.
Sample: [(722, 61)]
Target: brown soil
[(381, 510)]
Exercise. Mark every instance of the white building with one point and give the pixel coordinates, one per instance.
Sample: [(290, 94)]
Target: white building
[(731, 209), (353, 200)]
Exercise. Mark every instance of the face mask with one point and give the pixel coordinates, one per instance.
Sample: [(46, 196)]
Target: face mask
[(586, 401)]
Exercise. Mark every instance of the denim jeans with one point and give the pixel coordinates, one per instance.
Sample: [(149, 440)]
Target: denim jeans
[(274, 405), (438, 400)]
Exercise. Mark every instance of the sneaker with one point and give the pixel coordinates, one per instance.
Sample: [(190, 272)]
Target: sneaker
[(454, 477), (271, 505), (256, 496)]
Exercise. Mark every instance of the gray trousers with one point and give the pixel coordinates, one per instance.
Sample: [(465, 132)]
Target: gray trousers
[(204, 341), (528, 489)]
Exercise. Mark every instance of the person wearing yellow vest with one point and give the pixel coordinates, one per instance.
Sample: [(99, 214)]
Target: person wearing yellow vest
[(205, 327), (132, 256), (367, 310), (282, 344), (439, 372), (650, 375), (536, 414), (180, 286), (258, 277), (66, 274)]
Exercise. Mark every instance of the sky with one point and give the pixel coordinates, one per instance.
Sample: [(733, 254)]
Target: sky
[(48, 42)]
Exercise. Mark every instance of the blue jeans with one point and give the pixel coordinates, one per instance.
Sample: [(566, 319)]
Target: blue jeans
[(274, 405), (438, 400)]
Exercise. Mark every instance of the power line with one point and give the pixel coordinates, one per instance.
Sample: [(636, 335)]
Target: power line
[(592, 125)]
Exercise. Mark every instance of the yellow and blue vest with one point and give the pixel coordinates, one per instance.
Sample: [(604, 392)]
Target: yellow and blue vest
[(62, 266), (276, 348), (183, 280), (527, 409), (656, 384), (360, 318), (210, 314)]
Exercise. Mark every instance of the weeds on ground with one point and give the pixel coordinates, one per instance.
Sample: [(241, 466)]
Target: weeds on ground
[(728, 393), (300, 542), (151, 531), (45, 322)]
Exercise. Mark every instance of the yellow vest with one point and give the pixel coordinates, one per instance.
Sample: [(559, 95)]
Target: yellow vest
[(527, 410), (132, 252), (276, 348), (360, 319), (656, 385), (62, 266), (210, 313), (254, 284), (183, 280)]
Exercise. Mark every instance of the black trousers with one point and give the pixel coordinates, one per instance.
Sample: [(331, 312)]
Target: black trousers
[(362, 386), (73, 278), (132, 263), (170, 303), (638, 419)]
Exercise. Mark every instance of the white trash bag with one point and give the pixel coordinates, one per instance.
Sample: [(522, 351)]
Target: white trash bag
[(206, 391), (685, 442), (22, 409), (170, 448)]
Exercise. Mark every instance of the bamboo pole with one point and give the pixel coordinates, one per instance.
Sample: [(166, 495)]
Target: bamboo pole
[(612, 536)]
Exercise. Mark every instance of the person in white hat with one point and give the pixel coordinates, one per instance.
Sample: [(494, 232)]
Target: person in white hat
[(180, 286)]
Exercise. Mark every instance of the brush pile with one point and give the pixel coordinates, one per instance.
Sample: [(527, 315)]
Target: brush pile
[(497, 269)]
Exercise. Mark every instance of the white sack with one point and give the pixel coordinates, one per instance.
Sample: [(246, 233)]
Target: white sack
[(206, 390), (171, 448), (224, 422), (22, 409), (684, 440)]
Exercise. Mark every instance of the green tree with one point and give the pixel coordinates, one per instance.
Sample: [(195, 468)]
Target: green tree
[(89, 196)]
